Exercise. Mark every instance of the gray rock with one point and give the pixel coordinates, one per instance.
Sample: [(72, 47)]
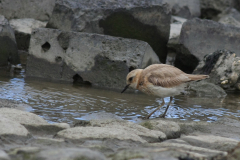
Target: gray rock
[(33, 123), (113, 129), (211, 37), (170, 128), (101, 60), (4, 155), (184, 8), (211, 141), (11, 130), (210, 9), (192, 127), (22, 117), (223, 68), (27, 9), (207, 89), (230, 17), (144, 20), (98, 133), (47, 142), (25, 151), (208, 41), (23, 29), (186, 150), (145, 133), (225, 127), (144, 154), (45, 129), (69, 153), (8, 52)]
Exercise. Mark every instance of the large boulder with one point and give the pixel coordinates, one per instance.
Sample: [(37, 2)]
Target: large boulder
[(8, 46), (200, 37), (143, 20), (14, 9), (223, 67), (23, 29), (101, 60)]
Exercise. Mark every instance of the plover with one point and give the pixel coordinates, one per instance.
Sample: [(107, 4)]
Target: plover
[(161, 80)]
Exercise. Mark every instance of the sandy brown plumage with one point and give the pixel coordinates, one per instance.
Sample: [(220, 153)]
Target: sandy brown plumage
[(161, 80), (167, 76)]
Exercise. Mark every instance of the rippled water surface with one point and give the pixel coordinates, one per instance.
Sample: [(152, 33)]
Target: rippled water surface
[(68, 103)]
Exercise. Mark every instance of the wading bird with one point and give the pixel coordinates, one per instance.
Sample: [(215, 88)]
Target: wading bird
[(161, 80)]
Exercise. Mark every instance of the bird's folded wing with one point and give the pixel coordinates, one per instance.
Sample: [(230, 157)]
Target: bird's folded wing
[(167, 77)]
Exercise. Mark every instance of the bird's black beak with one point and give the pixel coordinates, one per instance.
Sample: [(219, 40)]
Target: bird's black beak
[(125, 88)]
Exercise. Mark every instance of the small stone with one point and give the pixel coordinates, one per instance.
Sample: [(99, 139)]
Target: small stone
[(224, 82)]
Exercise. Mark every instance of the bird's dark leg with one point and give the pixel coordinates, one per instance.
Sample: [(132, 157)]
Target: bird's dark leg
[(164, 114), (163, 102)]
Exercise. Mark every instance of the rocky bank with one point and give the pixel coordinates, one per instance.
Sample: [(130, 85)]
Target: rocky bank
[(103, 136)]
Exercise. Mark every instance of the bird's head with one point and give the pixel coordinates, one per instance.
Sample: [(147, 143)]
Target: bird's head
[(132, 79)]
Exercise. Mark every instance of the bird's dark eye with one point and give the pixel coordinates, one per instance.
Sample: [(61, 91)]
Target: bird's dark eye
[(130, 79)]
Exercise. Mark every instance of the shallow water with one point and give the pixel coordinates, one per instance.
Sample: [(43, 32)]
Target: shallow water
[(68, 103)]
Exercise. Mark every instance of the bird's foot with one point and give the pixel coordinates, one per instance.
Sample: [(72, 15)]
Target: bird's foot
[(162, 116), (147, 117)]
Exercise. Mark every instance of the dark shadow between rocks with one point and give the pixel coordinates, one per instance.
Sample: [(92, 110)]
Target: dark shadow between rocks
[(46, 46), (186, 62), (78, 80), (209, 13), (131, 68), (9, 52), (122, 24)]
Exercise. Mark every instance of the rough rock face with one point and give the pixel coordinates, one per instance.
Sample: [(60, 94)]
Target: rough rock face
[(207, 89), (230, 17), (183, 8), (123, 18), (97, 59), (171, 129), (200, 37), (23, 29), (70, 153), (8, 44), (223, 67), (13, 9), (210, 9), (12, 130)]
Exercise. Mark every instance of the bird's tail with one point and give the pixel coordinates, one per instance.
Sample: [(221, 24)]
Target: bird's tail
[(197, 77)]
